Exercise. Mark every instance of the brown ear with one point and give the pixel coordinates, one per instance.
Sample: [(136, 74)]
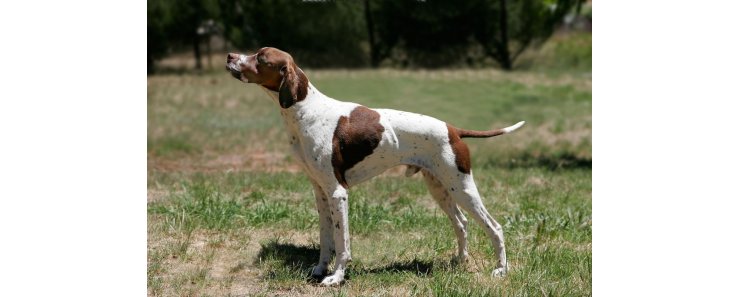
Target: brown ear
[(294, 86)]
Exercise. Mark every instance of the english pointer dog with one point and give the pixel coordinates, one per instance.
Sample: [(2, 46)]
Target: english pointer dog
[(341, 144)]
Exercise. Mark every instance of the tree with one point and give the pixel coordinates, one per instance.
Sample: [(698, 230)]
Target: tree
[(438, 33), (372, 40), (317, 34), (428, 33), (173, 23), (516, 26), (382, 17), (432, 33), (156, 27)]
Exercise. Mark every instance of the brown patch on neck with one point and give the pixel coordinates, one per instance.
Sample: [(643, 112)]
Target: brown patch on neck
[(460, 149), (354, 139)]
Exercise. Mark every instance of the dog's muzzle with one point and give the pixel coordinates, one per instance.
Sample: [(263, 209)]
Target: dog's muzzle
[(232, 66)]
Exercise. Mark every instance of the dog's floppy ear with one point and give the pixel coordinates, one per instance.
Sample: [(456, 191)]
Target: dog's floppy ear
[(293, 87)]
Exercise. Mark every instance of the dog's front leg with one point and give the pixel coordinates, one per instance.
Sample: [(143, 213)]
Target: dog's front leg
[(338, 208), (326, 232)]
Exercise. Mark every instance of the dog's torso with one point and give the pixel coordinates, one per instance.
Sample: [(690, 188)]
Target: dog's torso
[(406, 138)]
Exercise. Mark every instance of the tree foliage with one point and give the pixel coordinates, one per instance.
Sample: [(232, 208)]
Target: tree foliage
[(174, 23), (422, 33), (320, 34), (516, 26)]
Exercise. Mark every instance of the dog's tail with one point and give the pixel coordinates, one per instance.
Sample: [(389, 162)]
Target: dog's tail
[(490, 133)]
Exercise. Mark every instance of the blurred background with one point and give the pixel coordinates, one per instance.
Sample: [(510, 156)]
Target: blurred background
[(371, 33)]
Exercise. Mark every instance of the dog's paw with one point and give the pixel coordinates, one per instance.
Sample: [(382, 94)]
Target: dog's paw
[(333, 280), (318, 272), (459, 260), (499, 272)]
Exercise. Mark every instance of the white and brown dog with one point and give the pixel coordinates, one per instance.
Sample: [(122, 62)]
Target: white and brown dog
[(341, 144)]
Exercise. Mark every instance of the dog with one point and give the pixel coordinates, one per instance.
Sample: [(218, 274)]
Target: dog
[(341, 144)]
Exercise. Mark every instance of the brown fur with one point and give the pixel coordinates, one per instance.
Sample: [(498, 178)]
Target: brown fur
[(460, 149), (354, 139), (294, 86), (478, 134), (275, 70)]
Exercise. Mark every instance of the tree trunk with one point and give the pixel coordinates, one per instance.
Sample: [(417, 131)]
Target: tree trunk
[(208, 51), (503, 46), (374, 52), (150, 64), (196, 51)]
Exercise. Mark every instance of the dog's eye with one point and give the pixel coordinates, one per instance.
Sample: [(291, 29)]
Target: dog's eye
[(261, 59)]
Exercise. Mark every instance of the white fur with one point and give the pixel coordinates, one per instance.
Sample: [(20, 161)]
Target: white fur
[(412, 139), (513, 127)]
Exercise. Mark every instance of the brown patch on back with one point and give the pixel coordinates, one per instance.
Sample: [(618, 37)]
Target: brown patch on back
[(460, 149), (354, 139)]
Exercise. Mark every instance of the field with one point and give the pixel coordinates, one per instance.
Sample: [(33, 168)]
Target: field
[(230, 214)]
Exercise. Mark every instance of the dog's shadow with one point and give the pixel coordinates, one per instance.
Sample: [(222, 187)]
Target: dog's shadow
[(304, 257)]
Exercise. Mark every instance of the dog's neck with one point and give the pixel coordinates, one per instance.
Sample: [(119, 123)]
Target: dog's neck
[(297, 112), (312, 94)]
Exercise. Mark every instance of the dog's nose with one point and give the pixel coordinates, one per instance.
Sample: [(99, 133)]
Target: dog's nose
[(231, 57)]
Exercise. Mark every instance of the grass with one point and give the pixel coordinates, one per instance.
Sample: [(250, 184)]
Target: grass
[(230, 214)]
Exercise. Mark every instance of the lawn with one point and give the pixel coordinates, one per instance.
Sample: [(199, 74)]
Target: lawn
[(230, 213)]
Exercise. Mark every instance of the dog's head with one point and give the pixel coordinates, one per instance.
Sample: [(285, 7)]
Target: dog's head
[(272, 69)]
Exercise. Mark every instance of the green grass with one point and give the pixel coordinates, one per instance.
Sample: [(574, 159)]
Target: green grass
[(547, 226), (230, 214)]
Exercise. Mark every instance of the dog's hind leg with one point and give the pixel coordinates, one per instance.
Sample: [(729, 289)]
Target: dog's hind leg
[(465, 194), (458, 220)]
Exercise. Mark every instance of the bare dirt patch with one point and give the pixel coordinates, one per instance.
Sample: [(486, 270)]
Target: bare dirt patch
[(217, 263), (261, 161), (154, 195)]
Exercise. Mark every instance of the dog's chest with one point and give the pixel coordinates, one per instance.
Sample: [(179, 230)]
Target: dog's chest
[(311, 127)]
